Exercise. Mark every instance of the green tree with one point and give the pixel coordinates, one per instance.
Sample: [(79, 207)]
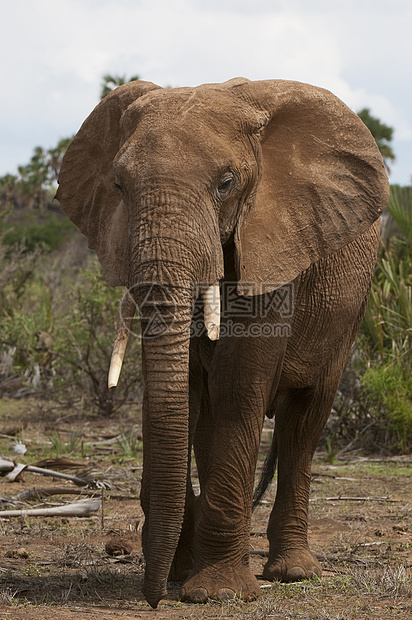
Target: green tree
[(110, 82), (55, 157), (382, 133), (35, 183), (7, 191), (34, 180)]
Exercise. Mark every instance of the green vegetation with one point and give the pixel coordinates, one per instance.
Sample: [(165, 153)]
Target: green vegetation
[(84, 342), (58, 322), (130, 443), (47, 232), (61, 446), (374, 406), (388, 324), (35, 184), (110, 82), (382, 133)]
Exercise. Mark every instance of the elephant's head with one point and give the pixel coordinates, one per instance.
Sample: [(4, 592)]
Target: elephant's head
[(159, 180)]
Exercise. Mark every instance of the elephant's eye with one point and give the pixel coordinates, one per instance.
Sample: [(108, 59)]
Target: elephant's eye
[(226, 183), (118, 186)]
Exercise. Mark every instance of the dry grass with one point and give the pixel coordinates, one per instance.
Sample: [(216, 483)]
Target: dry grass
[(365, 546)]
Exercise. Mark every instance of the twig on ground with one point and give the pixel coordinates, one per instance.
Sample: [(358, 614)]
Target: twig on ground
[(330, 558), (361, 459), (343, 498), (102, 515), (315, 475)]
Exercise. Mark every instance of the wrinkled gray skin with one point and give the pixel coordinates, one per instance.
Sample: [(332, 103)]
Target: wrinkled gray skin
[(260, 184)]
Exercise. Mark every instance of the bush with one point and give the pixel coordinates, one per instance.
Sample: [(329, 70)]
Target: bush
[(57, 325), (84, 340), (16, 272), (389, 390), (388, 324), (47, 233), (373, 407)]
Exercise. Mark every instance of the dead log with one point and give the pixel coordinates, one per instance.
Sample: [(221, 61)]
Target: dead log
[(82, 508), (6, 465)]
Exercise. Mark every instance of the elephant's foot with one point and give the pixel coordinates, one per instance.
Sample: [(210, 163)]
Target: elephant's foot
[(220, 585), (182, 564), (292, 565)]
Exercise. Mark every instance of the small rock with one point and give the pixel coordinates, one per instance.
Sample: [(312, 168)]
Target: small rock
[(118, 546), (20, 448), (20, 553)]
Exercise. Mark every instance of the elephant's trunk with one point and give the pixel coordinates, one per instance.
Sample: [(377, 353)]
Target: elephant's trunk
[(165, 437), (171, 257)]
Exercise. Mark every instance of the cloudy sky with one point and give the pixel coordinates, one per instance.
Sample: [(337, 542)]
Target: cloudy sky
[(55, 52)]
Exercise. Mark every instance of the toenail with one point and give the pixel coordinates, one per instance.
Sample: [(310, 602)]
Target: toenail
[(295, 573), (198, 596), (225, 594)]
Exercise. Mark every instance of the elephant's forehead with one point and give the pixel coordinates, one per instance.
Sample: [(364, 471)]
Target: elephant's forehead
[(179, 130), (198, 107)]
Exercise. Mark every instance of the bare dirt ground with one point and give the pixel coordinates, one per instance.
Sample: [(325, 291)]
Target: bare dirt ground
[(59, 568)]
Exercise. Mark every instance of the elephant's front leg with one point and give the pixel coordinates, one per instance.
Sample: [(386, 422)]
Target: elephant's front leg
[(226, 453), (182, 564), (299, 421)]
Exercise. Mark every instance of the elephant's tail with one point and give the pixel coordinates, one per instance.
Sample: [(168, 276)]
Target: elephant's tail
[(268, 472)]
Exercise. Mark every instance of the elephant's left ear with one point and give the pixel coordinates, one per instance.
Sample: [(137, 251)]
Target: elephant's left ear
[(322, 183), (87, 191)]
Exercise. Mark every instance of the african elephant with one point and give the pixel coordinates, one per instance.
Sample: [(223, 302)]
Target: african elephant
[(248, 186)]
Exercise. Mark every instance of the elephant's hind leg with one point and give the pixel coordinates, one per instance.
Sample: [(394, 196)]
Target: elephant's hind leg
[(299, 420)]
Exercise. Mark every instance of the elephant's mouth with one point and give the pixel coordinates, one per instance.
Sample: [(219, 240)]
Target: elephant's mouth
[(211, 303)]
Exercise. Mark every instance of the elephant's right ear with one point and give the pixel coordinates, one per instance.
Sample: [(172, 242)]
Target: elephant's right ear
[(322, 182), (87, 192)]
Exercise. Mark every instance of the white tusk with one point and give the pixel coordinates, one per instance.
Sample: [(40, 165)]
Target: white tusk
[(127, 310), (211, 302)]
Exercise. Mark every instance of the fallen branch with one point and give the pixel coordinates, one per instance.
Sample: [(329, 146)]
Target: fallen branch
[(39, 494), (82, 508), (8, 500), (337, 558), (6, 465), (330, 558), (361, 460), (352, 499), (13, 437), (262, 552), (20, 467), (59, 463), (315, 475)]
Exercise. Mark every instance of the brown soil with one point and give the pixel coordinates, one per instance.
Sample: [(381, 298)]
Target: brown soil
[(62, 568)]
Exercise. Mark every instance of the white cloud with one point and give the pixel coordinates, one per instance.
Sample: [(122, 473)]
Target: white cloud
[(56, 52)]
